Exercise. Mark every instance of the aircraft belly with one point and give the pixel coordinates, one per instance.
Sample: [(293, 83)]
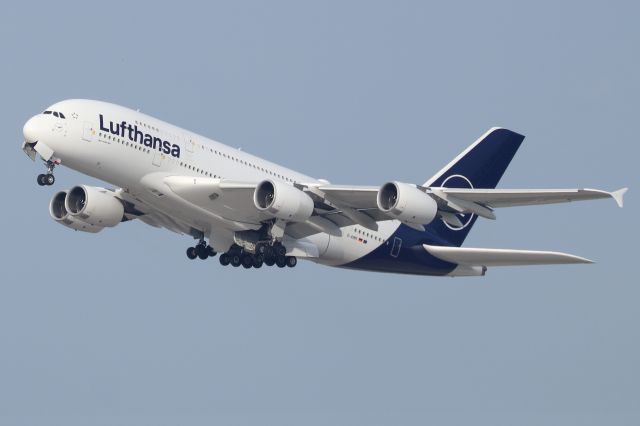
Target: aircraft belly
[(356, 243)]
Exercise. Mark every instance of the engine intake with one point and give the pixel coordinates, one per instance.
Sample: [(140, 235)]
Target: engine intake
[(406, 203), (95, 206), (59, 213), (283, 201)]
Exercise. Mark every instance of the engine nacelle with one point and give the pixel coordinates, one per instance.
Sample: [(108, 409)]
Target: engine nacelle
[(407, 203), (283, 201), (96, 206), (59, 213)]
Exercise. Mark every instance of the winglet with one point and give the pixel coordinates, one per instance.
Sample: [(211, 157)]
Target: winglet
[(619, 195)]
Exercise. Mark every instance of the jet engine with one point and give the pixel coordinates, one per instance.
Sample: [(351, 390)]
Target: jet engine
[(59, 213), (283, 201), (406, 203), (96, 206)]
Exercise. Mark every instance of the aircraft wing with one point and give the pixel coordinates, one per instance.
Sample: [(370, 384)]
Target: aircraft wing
[(452, 201), (233, 202), (496, 198), (342, 205)]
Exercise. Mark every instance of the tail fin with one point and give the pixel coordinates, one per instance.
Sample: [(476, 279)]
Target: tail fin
[(481, 165)]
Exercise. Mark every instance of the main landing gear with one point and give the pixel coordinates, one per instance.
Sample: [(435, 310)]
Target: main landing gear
[(252, 256), (201, 251), (264, 255), (47, 179)]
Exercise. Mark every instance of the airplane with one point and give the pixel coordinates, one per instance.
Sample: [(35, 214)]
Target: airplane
[(255, 212)]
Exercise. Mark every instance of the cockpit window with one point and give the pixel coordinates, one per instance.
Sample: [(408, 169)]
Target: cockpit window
[(55, 114)]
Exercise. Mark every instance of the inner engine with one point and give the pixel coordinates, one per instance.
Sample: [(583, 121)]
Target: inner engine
[(406, 203), (283, 201)]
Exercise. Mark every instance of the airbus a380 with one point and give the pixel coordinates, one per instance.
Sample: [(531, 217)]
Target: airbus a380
[(254, 212)]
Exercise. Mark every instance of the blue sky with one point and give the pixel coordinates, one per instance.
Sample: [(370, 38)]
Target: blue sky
[(120, 328)]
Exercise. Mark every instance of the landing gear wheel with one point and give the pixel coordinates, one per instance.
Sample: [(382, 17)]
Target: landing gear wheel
[(191, 253), (247, 261), (269, 260), (269, 252), (258, 260), (210, 251), (202, 251), (281, 261), (292, 261), (224, 259), (48, 178), (235, 260), (280, 250)]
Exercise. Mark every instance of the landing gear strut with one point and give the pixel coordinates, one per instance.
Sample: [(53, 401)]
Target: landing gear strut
[(47, 179)]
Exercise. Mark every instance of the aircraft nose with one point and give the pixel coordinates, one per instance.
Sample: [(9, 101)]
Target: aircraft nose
[(31, 129)]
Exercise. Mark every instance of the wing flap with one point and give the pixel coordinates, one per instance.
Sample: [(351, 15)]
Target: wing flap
[(357, 197), (501, 257)]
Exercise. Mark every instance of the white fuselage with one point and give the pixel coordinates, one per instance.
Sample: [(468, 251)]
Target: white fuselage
[(123, 147)]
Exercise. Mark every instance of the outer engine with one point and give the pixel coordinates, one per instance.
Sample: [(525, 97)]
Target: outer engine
[(283, 201), (59, 213), (96, 206), (406, 203)]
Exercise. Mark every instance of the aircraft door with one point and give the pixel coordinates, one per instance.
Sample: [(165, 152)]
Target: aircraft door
[(158, 158), (397, 245), (88, 132)]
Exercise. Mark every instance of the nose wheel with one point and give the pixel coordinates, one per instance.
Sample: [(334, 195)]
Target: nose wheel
[(47, 179)]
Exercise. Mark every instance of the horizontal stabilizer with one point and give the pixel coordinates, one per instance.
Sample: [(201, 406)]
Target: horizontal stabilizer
[(500, 257)]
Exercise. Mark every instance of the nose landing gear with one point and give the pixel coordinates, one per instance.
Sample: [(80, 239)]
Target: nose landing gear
[(47, 179)]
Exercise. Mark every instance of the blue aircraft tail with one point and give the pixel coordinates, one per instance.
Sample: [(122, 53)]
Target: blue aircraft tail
[(481, 165)]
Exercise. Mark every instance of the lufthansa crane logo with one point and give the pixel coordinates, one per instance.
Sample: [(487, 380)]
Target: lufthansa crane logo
[(458, 181)]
